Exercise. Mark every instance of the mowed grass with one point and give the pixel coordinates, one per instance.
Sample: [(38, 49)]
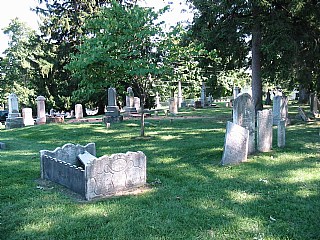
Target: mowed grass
[(273, 195)]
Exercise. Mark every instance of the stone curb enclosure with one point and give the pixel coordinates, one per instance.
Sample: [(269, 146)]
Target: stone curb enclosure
[(77, 168)]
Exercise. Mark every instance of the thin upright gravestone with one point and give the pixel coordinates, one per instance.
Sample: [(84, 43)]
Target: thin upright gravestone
[(280, 109), (112, 114), (129, 108), (41, 110), (314, 104), (78, 111), (281, 133), (27, 117), (14, 119), (264, 130), (173, 105), (235, 144), (244, 115)]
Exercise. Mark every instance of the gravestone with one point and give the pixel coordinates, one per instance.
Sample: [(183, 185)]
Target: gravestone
[(236, 92), (180, 97), (129, 108), (264, 130), (280, 109), (281, 133), (203, 94), (2, 145), (158, 105), (137, 104), (173, 105), (314, 104), (27, 117), (41, 110), (78, 111), (244, 115), (14, 119), (303, 115), (113, 113), (268, 98), (235, 144)]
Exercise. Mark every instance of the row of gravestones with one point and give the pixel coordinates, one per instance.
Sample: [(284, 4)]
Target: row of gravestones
[(15, 120), (240, 138)]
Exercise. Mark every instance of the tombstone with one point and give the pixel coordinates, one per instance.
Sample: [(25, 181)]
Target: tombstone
[(14, 119), (27, 117), (41, 110), (112, 114), (2, 145), (173, 105), (203, 94), (235, 144), (314, 104), (78, 111), (236, 92), (129, 108), (51, 112), (280, 109), (264, 130), (72, 115), (244, 115), (303, 115), (158, 105), (268, 98), (112, 97), (180, 97), (281, 133), (137, 104)]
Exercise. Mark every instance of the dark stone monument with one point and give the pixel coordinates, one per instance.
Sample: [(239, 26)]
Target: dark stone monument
[(112, 114)]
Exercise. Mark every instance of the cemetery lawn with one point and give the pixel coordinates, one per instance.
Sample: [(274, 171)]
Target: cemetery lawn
[(273, 195)]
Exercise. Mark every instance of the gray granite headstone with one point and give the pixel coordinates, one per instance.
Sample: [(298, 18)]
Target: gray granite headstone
[(281, 133), (14, 119), (264, 130), (314, 104), (41, 110), (244, 115), (303, 115), (112, 97), (235, 144), (173, 105)]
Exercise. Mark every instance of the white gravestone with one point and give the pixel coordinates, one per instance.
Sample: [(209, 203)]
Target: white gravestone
[(78, 111), (13, 106), (27, 117), (280, 109), (264, 130), (244, 115), (180, 97), (173, 105), (41, 110), (235, 144), (281, 133)]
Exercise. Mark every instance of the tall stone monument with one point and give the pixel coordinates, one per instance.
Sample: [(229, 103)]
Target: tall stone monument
[(14, 119), (41, 110), (244, 115), (112, 114), (78, 111), (264, 130), (129, 108), (280, 109)]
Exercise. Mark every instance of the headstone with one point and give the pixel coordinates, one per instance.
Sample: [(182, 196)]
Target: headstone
[(235, 144), (314, 104), (78, 111), (14, 119), (41, 110), (158, 105), (137, 104), (264, 130), (173, 105), (268, 98), (112, 114), (180, 98), (2, 145), (236, 91), (51, 112), (280, 109), (129, 108), (27, 117), (244, 115), (281, 133), (203, 94), (303, 115)]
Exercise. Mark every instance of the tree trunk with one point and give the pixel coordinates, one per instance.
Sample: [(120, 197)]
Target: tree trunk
[(256, 83)]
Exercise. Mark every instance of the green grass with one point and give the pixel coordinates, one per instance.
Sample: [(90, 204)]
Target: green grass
[(273, 195)]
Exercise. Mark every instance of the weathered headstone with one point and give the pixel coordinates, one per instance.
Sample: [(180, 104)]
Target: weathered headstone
[(264, 130), (14, 119), (137, 104), (203, 94), (281, 133), (2, 145), (303, 115), (78, 111), (113, 113), (280, 109), (235, 144), (314, 104), (158, 105), (27, 117), (244, 115), (129, 108), (41, 110), (173, 105), (180, 98)]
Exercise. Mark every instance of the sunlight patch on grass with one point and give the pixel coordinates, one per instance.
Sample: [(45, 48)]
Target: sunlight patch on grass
[(243, 197), (35, 228), (170, 137), (302, 175)]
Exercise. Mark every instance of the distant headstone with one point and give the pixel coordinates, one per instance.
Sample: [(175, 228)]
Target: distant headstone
[(2, 145), (129, 108), (173, 105), (268, 98), (112, 97), (314, 104), (244, 115), (113, 113), (27, 117), (137, 104), (78, 111), (203, 94), (235, 144), (41, 110), (264, 130), (281, 133), (280, 109), (158, 105), (14, 119), (303, 114), (180, 97)]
